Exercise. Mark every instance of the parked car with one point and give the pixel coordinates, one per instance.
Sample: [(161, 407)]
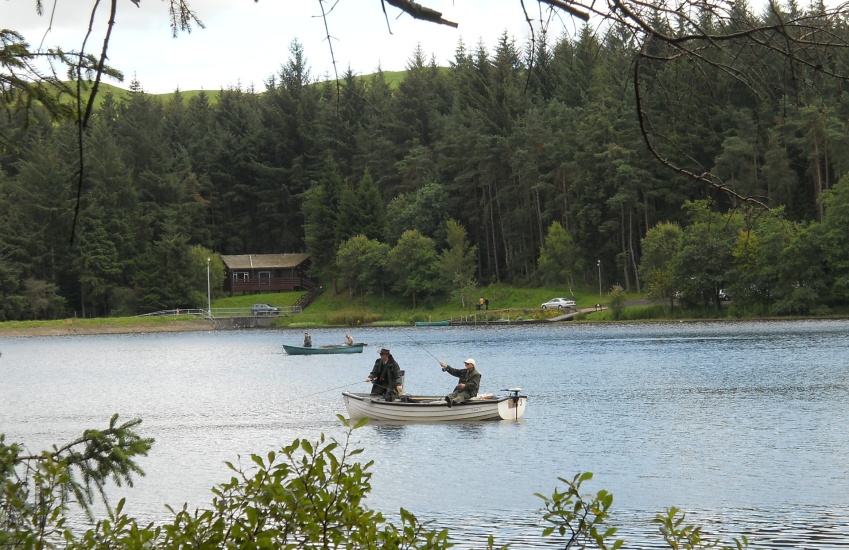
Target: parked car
[(264, 309), (560, 303), (725, 296)]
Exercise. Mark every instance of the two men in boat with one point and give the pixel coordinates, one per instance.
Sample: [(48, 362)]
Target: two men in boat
[(385, 377), (469, 384)]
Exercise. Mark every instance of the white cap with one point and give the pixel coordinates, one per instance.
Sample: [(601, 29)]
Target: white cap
[(470, 360)]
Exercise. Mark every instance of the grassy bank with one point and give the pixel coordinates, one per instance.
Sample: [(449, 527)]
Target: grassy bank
[(328, 310), (505, 303)]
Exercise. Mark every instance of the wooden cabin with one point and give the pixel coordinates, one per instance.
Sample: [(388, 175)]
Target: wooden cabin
[(266, 273)]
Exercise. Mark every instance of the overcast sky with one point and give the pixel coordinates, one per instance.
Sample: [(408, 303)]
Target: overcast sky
[(246, 42)]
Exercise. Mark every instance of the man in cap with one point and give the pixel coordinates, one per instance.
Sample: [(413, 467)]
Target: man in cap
[(385, 376), (469, 384)]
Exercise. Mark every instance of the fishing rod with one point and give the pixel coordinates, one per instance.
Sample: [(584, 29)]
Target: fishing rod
[(422, 346), (332, 389), (346, 386)]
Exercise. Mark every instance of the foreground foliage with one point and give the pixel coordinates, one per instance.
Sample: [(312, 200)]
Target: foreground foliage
[(37, 491), (307, 495)]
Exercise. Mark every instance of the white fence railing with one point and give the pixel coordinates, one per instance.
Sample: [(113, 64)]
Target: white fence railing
[(217, 312)]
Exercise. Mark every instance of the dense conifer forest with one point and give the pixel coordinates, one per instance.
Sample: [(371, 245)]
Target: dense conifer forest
[(518, 163)]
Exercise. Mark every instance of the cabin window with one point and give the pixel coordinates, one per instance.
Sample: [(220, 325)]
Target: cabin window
[(241, 275), (264, 277)]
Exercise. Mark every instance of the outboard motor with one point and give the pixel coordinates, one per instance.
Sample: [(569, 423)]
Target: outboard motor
[(514, 393)]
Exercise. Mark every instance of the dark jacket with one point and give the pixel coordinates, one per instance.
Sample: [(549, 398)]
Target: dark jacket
[(471, 378), (386, 375)]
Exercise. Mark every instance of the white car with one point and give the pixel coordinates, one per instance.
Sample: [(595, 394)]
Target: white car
[(560, 303)]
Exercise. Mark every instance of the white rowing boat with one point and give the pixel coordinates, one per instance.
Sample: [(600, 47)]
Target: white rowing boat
[(432, 408)]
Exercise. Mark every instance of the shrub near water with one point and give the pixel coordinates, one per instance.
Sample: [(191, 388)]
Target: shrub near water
[(353, 318), (642, 313)]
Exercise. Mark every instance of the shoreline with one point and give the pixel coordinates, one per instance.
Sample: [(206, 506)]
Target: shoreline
[(73, 328)]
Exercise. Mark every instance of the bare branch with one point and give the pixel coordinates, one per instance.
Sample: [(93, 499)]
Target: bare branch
[(568, 9), (417, 11)]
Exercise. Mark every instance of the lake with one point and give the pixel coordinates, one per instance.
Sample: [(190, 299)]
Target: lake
[(743, 425)]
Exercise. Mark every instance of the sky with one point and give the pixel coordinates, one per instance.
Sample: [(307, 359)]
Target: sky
[(244, 43)]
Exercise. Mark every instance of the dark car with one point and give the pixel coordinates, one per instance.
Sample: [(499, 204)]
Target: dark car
[(726, 296), (265, 309)]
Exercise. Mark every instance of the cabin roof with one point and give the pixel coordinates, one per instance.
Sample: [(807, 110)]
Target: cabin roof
[(264, 261)]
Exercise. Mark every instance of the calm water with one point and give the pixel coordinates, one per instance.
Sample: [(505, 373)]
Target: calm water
[(743, 425)]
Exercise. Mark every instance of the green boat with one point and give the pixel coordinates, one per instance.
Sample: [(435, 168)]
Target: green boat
[(300, 350), (444, 323)]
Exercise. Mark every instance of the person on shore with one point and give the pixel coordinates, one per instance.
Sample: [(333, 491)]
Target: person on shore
[(348, 340), (385, 377), (486, 303), (307, 340), (469, 384)]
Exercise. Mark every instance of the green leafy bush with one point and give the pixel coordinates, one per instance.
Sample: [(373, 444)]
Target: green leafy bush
[(352, 318)]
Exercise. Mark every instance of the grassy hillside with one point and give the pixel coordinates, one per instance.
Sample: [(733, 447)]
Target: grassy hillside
[(393, 78), (505, 302)]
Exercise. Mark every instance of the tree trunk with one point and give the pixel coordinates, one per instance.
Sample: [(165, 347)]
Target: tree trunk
[(818, 181), (631, 250), (494, 238), (624, 244), (82, 298), (565, 187)]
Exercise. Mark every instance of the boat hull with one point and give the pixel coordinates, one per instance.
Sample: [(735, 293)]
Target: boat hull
[(300, 350), (434, 408), (433, 323)]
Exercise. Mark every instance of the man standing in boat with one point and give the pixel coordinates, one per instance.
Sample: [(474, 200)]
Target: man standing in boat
[(385, 376), (469, 384), (307, 340)]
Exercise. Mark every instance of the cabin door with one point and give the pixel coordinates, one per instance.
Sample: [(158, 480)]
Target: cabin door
[(264, 277)]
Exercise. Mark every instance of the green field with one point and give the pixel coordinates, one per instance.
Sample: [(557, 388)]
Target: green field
[(506, 302)]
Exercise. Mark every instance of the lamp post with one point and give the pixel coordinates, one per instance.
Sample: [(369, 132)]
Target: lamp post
[(208, 292), (599, 278)]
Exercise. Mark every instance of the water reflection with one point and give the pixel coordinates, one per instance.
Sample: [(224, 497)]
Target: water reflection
[(468, 429), (389, 432)]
